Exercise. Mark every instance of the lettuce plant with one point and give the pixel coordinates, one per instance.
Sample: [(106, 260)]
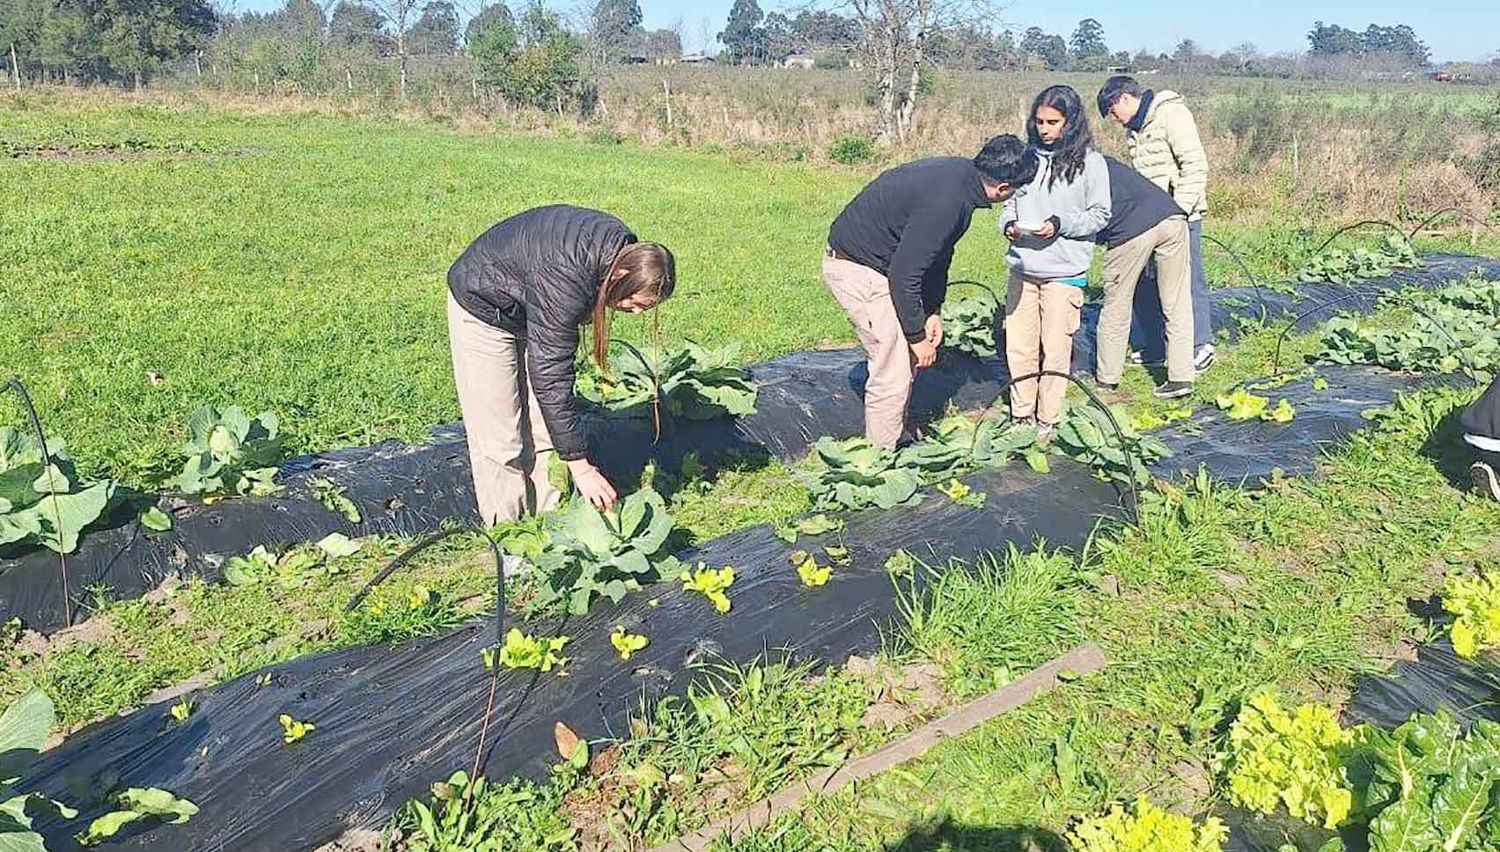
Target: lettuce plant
[(695, 382), (228, 453), (1474, 603), (591, 554), (42, 500), (1147, 828), (1294, 759)]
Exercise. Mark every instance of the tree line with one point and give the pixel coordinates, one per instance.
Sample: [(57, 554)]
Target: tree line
[(533, 55)]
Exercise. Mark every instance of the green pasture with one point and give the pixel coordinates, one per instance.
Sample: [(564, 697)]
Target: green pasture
[(161, 257)]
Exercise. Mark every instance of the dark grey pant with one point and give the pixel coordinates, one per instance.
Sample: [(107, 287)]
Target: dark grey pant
[(1148, 327)]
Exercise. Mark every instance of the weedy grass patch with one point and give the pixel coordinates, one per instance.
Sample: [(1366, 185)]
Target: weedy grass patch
[(1218, 593)]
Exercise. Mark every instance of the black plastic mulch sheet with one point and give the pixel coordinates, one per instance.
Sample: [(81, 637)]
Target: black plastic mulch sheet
[(408, 490), (1438, 679), (390, 721), (1251, 450)]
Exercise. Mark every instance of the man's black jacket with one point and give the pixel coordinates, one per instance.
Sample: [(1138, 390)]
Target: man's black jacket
[(1136, 205), (905, 224), (537, 275)]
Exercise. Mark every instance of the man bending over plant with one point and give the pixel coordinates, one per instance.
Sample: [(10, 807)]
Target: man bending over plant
[(1481, 424), (1145, 226), (887, 264)]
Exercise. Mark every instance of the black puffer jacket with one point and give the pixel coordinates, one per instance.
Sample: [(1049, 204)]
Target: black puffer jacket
[(1482, 419), (537, 275)]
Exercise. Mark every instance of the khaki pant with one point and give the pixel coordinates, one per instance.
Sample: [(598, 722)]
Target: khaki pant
[(508, 442), (1123, 265), (865, 296), (1041, 318)]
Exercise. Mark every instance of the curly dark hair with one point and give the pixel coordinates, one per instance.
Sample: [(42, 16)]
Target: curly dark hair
[(1069, 152)]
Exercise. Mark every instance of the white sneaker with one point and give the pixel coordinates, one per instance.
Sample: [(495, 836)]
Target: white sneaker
[(1203, 357), (1485, 481)]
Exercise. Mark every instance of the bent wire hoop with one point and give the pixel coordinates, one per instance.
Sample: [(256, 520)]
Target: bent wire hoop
[(16, 386)]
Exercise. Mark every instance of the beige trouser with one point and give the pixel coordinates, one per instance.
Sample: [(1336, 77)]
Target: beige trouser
[(865, 296), (1041, 318), (1123, 266), (508, 441)]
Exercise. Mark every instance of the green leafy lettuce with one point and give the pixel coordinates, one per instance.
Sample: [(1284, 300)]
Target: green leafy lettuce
[(229, 453), (1147, 829), (695, 382), (42, 500)]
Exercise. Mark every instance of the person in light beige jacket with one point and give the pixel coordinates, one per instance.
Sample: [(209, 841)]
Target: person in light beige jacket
[(1164, 146)]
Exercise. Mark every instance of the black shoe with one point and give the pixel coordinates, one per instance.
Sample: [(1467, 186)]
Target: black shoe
[(1485, 481), (1173, 390), (1093, 381)]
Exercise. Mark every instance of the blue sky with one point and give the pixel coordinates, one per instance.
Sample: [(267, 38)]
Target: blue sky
[(1454, 29)]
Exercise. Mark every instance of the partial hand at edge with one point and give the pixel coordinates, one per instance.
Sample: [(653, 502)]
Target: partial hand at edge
[(592, 484), (925, 352)]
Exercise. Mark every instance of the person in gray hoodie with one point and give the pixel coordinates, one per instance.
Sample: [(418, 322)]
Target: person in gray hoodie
[(1051, 225)]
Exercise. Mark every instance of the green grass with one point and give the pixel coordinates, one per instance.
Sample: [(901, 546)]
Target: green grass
[(1303, 587), (1219, 591), (296, 263)]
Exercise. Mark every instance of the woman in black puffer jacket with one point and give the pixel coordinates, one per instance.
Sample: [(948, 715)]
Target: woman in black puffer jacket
[(516, 299)]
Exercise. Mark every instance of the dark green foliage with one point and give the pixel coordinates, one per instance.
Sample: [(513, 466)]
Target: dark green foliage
[(851, 150), (1451, 329), (42, 500), (533, 62)]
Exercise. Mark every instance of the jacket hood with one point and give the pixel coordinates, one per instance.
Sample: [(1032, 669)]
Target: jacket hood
[(1164, 96)]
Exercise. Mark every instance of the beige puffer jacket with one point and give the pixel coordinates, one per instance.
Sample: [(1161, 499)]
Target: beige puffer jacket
[(1169, 153)]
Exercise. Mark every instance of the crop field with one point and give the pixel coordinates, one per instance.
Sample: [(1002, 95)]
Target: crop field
[(162, 257), (165, 255)]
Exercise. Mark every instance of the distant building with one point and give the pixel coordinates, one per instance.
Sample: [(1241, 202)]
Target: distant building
[(1117, 69), (799, 60), (697, 59)]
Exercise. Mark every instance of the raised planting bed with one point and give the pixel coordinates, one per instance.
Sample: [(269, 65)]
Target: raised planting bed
[(407, 490)]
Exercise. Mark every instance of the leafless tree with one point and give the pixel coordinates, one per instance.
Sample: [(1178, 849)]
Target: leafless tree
[(400, 14), (896, 37)]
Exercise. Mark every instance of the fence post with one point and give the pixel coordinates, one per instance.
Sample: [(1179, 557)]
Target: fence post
[(667, 88), (15, 65)]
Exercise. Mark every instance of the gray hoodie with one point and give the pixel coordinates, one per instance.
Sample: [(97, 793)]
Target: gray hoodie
[(1082, 209)]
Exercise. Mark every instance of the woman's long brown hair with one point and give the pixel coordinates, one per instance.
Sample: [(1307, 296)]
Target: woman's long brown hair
[(646, 268)]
